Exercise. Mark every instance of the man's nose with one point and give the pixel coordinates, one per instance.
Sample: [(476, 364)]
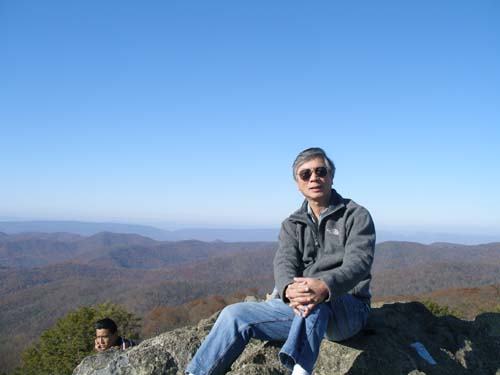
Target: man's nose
[(314, 176)]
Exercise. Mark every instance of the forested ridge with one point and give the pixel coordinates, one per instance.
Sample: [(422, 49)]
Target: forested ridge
[(168, 284)]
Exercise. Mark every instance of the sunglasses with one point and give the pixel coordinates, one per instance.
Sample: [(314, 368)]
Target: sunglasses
[(305, 174)]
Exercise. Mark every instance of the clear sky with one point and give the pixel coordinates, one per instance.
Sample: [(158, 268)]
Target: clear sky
[(190, 113)]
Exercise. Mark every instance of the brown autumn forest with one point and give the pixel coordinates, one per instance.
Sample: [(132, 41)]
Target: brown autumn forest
[(170, 284)]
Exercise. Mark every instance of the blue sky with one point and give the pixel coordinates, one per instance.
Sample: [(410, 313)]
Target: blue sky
[(190, 113)]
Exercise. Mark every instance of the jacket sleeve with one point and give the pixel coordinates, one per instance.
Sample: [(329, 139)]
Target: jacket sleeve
[(288, 258), (358, 255)]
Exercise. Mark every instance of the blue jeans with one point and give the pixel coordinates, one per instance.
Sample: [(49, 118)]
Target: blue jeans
[(275, 321)]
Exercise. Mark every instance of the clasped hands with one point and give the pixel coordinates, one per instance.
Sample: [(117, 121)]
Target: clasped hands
[(305, 293)]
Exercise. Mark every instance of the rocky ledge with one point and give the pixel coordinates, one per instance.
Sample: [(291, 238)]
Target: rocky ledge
[(400, 338)]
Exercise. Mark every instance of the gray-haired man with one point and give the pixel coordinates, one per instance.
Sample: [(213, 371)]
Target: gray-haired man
[(322, 274)]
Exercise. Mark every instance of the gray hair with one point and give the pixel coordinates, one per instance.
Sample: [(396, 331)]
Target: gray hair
[(309, 154)]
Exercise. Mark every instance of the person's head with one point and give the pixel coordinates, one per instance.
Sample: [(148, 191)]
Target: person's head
[(313, 172), (106, 333), (309, 154)]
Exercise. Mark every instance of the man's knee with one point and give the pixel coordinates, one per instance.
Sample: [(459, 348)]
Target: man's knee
[(235, 312), (322, 311)]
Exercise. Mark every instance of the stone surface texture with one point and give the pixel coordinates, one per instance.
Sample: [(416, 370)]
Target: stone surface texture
[(382, 348)]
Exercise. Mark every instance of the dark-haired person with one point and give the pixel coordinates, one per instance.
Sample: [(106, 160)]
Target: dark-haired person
[(322, 275), (106, 336)]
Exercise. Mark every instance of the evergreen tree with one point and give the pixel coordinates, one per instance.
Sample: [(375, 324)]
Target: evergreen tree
[(61, 348)]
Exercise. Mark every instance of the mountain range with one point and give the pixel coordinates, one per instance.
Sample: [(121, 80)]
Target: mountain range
[(90, 228), (226, 235), (45, 275)]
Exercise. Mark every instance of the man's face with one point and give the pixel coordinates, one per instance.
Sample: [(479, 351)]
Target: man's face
[(104, 339), (314, 188)]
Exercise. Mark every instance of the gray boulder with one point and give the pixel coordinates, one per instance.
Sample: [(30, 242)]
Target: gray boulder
[(400, 338)]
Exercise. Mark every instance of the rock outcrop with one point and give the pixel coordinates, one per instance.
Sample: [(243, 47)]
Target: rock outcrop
[(400, 338)]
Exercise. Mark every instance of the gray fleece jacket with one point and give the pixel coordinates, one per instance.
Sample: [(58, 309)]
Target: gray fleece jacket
[(339, 250)]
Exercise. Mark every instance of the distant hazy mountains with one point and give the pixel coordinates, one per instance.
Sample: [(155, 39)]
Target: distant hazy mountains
[(88, 229), (226, 235)]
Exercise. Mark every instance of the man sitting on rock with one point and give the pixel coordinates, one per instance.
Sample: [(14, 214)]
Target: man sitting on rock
[(322, 274), (106, 336)]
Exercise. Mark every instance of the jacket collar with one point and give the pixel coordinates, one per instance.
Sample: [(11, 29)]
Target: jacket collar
[(336, 203)]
